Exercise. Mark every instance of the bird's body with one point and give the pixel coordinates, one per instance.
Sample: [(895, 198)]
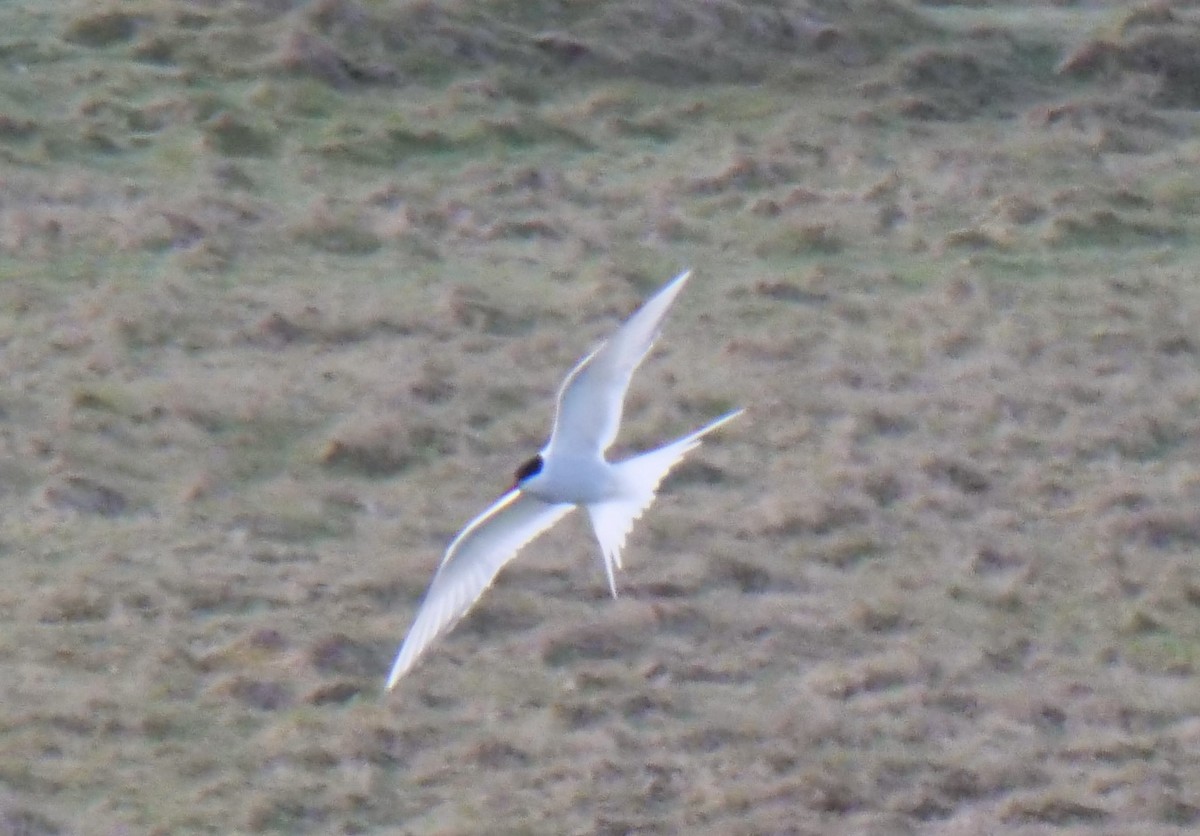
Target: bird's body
[(579, 478), (571, 471)]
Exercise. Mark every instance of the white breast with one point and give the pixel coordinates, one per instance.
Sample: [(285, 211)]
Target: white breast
[(578, 479)]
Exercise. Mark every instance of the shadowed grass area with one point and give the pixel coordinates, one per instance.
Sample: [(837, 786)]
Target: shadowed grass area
[(286, 291)]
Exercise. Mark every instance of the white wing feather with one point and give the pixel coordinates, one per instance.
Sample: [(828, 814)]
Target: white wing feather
[(592, 397), (471, 564)]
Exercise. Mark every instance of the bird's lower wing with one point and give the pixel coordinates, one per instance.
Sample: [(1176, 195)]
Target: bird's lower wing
[(471, 563)]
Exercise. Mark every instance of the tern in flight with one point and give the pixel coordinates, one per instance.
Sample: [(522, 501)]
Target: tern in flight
[(569, 472)]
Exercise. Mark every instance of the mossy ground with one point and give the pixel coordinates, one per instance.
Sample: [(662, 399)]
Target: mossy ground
[(286, 290)]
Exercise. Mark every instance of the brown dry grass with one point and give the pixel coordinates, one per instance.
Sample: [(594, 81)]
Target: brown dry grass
[(285, 294)]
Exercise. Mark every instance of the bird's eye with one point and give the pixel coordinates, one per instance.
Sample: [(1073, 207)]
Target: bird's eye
[(531, 468)]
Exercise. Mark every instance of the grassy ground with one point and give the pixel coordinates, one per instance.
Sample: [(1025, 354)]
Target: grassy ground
[(285, 294)]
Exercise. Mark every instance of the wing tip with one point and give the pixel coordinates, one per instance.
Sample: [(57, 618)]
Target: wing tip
[(400, 667), (673, 287), (716, 423)]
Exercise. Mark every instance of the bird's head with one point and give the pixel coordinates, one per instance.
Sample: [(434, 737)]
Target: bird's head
[(526, 471)]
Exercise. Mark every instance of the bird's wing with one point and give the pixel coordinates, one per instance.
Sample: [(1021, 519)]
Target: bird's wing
[(640, 477), (593, 395), (471, 564)]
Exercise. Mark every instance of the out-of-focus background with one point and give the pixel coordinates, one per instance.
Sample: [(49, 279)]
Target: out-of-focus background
[(287, 288)]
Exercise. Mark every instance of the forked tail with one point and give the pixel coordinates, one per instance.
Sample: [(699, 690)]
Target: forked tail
[(640, 478)]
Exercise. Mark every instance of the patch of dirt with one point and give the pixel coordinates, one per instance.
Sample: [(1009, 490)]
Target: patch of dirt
[(1156, 43), (984, 74)]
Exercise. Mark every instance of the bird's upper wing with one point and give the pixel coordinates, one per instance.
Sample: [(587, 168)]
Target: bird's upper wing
[(471, 564), (591, 398)]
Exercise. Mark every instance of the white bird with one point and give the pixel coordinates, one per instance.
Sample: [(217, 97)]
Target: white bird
[(570, 471)]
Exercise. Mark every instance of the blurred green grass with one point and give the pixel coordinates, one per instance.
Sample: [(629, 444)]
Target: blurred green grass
[(279, 283)]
